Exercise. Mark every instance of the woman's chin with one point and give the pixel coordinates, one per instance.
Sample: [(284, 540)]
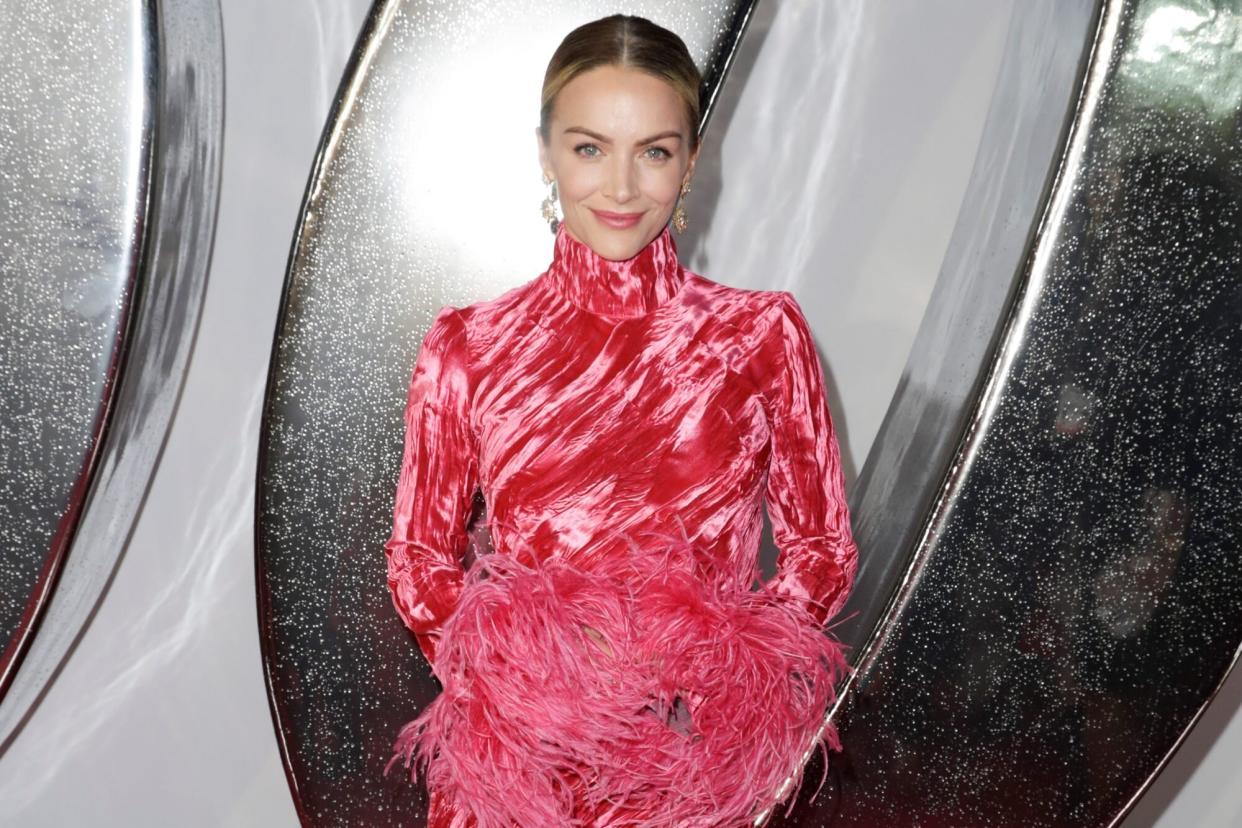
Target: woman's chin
[(618, 244)]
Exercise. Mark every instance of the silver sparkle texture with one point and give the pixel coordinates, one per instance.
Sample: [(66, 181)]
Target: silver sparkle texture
[(1072, 595), (1048, 521), (110, 133)]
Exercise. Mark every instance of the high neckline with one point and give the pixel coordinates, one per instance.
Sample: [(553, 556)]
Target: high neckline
[(616, 288)]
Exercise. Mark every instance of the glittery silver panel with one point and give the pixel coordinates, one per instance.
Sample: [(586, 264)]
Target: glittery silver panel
[(430, 148), (1036, 90), (73, 175), (110, 133), (1075, 592)]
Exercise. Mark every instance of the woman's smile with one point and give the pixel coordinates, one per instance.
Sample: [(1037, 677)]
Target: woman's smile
[(617, 221)]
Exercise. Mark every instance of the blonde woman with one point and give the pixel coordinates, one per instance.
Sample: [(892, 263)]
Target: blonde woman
[(611, 662)]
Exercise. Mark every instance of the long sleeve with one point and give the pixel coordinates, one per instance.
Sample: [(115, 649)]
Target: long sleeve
[(439, 474), (805, 494)]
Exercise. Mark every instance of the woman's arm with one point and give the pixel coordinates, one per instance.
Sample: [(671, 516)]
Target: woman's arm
[(439, 475), (806, 487)]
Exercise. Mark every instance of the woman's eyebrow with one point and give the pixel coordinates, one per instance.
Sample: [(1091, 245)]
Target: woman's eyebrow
[(672, 133), (598, 137)]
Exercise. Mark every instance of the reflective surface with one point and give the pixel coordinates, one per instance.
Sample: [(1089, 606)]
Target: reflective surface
[(381, 247), (1049, 491), (110, 165), (68, 262), (1075, 596)]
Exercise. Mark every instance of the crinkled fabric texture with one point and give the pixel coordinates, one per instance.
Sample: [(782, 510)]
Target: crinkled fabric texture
[(626, 423)]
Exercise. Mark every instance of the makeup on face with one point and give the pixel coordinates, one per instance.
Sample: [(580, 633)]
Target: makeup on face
[(618, 152), (617, 221)]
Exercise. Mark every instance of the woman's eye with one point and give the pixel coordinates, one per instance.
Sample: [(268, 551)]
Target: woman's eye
[(661, 152), (579, 149)]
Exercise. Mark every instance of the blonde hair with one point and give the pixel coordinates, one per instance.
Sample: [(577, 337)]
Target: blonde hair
[(624, 40)]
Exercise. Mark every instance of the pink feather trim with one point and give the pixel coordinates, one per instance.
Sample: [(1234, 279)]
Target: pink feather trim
[(711, 695)]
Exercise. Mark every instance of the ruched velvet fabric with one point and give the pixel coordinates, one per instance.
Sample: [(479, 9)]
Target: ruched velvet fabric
[(626, 423)]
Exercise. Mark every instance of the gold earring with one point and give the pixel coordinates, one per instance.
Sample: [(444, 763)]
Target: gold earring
[(679, 212), (549, 204)]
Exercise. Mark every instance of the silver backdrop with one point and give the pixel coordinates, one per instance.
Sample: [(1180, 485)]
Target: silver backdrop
[(169, 639), (110, 154)]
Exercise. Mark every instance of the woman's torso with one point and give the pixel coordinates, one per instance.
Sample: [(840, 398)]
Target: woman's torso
[(591, 429)]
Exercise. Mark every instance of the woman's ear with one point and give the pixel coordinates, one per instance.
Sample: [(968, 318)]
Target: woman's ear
[(694, 158), (543, 152)]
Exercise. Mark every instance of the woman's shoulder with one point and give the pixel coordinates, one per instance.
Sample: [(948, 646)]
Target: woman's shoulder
[(727, 299), (484, 311)]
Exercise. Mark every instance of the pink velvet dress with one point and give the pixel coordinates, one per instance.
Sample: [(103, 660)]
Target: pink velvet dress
[(614, 658)]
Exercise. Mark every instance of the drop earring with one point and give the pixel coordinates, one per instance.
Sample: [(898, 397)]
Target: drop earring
[(679, 212), (549, 204)]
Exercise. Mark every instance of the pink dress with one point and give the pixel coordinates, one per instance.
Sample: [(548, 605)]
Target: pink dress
[(615, 661)]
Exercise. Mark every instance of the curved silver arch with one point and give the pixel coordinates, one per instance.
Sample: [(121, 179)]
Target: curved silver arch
[(1072, 598), (999, 508), (112, 168), (380, 246)]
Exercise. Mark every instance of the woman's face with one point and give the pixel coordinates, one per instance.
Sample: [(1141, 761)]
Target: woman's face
[(619, 143)]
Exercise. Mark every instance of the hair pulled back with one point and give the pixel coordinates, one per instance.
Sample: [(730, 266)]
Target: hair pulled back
[(624, 40)]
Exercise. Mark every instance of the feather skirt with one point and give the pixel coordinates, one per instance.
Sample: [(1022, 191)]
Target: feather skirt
[(687, 702)]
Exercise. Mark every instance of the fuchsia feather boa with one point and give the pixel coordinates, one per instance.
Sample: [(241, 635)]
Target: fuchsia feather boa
[(539, 726)]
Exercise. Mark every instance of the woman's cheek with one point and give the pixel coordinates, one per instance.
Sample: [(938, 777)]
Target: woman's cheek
[(581, 185), (663, 187)]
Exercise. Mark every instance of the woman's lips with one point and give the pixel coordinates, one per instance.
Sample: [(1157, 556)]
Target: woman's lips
[(618, 220)]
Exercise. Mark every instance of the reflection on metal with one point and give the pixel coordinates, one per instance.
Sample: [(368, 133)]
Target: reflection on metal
[(110, 157), (1050, 505), (430, 148), (1074, 598)]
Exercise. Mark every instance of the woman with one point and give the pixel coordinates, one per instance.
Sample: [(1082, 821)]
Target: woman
[(626, 419)]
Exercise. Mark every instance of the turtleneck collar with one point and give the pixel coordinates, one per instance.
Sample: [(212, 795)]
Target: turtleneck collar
[(625, 288)]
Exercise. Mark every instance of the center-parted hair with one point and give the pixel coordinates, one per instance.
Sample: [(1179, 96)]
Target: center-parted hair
[(624, 40)]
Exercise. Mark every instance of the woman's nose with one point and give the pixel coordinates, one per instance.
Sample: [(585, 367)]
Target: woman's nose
[(621, 180)]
